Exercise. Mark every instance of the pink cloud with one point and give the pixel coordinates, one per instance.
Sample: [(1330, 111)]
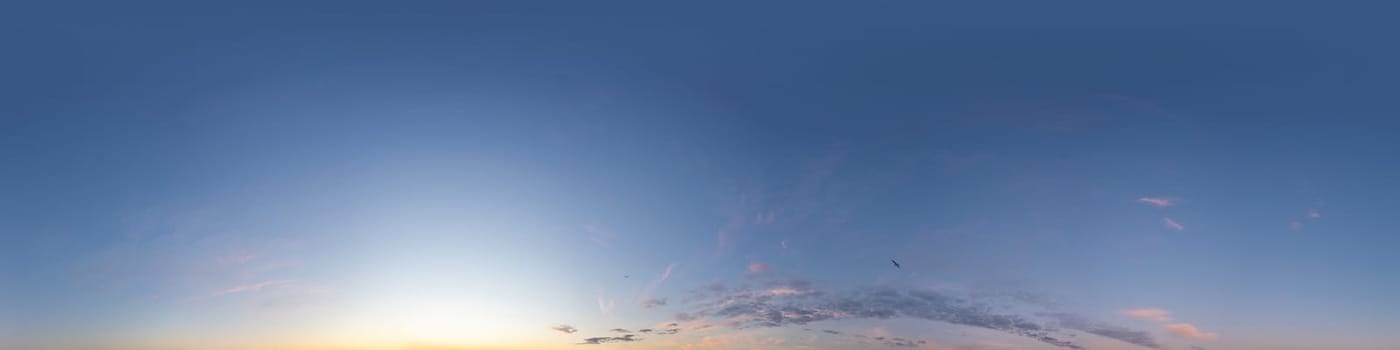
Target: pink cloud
[(758, 268), (1186, 330), (1160, 202), (1172, 224), (1148, 314)]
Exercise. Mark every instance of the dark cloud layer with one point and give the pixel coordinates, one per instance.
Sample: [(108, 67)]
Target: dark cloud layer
[(796, 303), (563, 328), (603, 340), (789, 308), (899, 342), (628, 337), (653, 302), (1131, 336)]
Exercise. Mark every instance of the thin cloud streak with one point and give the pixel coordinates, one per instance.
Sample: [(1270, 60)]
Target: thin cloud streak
[(1186, 330), (1160, 202), (1148, 314), (1172, 224), (243, 289)]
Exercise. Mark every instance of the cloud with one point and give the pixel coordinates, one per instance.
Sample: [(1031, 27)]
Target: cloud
[(1314, 214), (899, 342), (243, 289), (758, 268), (653, 302), (828, 331), (1148, 314), (1160, 202), (1076, 322), (603, 340), (619, 330), (566, 329), (1295, 225), (1186, 330), (762, 219), (598, 235), (606, 305), (762, 308), (1172, 224), (759, 310), (651, 287)]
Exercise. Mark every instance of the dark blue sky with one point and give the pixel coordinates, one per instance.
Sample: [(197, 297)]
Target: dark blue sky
[(470, 174)]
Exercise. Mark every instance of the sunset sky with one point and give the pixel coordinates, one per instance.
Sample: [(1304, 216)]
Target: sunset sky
[(665, 175)]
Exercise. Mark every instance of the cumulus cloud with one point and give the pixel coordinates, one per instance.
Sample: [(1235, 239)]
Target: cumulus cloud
[(603, 340), (566, 329), (1172, 224), (1186, 330), (1160, 202), (1148, 314)]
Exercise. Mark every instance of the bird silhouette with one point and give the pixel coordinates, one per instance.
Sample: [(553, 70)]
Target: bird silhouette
[(896, 263)]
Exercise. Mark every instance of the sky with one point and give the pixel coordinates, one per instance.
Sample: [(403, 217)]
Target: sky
[(698, 175)]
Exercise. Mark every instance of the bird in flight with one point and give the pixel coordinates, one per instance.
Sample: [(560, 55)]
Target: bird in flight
[(896, 263)]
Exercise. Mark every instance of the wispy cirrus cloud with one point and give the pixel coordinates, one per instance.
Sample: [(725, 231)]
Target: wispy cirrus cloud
[(566, 329), (1160, 202), (1189, 331), (605, 305), (242, 289), (1148, 314), (1172, 224), (647, 301)]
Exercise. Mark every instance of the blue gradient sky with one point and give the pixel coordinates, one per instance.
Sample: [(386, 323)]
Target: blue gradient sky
[(470, 175)]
